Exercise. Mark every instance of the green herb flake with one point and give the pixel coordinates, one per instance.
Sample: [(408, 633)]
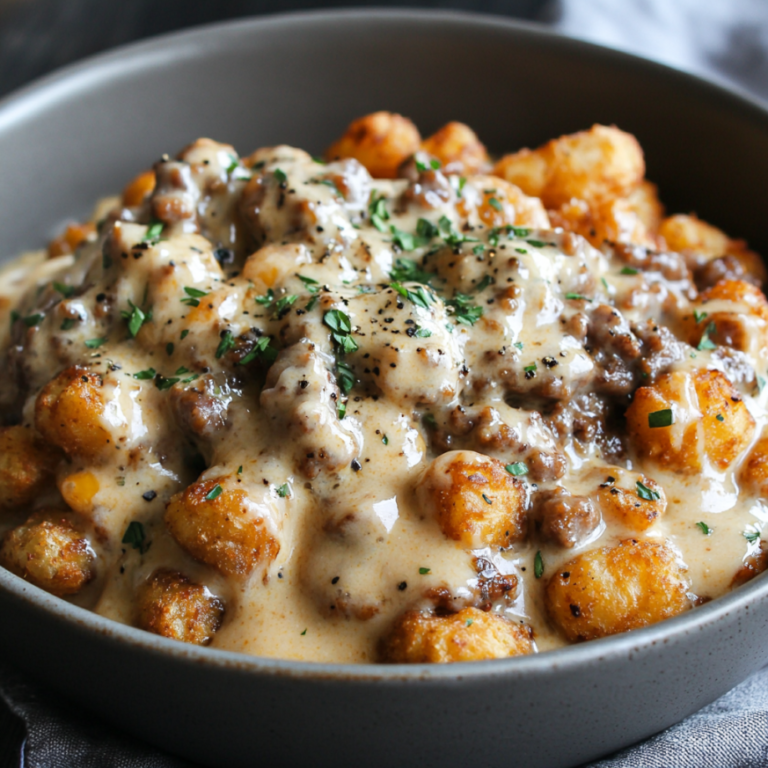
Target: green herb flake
[(192, 299), (495, 204), (341, 410), (67, 324), (538, 565), (267, 299), (95, 343), (663, 418), (720, 417), (262, 349), (405, 240), (518, 469), (311, 285), (426, 229), (628, 271), (284, 491), (463, 309), (65, 290), (521, 250), (530, 368), (304, 633), (214, 493), (576, 297), (345, 377), (385, 440), (519, 344), (407, 271), (706, 342), (420, 297), (135, 536), (283, 305), (429, 421), (536, 243), (169, 347), (424, 571), (469, 622), (225, 345), (240, 470), (377, 210), (486, 499), (422, 333), (135, 317), (698, 316), (184, 334), (646, 493), (162, 383), (146, 374), (154, 231), (280, 176), (751, 536), (32, 320), (705, 529)]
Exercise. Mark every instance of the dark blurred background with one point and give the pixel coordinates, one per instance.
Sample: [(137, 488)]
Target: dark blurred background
[(37, 36)]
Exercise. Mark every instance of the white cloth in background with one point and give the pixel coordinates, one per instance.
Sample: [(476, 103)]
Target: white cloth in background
[(726, 40)]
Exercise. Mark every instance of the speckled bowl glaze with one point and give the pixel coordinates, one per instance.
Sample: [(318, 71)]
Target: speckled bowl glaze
[(299, 80)]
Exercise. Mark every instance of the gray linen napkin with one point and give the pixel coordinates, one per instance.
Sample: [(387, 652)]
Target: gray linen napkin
[(727, 41)]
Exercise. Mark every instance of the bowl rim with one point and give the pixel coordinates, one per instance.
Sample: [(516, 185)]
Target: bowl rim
[(196, 41)]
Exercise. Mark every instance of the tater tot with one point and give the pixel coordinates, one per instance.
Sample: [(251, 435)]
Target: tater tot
[(49, 552), (380, 141), (139, 189), (754, 472), (171, 605), (222, 527), (469, 635), (25, 464), (590, 165), (475, 500), (615, 589), (68, 413), (458, 148), (708, 417), (72, 237), (497, 203), (630, 498)]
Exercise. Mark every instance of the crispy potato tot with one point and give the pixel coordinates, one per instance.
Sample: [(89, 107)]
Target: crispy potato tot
[(50, 553), (78, 491), (753, 566), (26, 463), (754, 472), (733, 313), (635, 500), (469, 635), (139, 189), (458, 148), (615, 589), (380, 141), (171, 605), (709, 419), (475, 500), (68, 413), (229, 531), (494, 202), (72, 237), (592, 165), (644, 202)]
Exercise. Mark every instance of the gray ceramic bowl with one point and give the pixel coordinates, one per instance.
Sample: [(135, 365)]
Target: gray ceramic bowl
[(299, 80)]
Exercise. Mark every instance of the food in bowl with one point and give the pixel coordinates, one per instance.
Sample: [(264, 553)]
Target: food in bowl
[(401, 404)]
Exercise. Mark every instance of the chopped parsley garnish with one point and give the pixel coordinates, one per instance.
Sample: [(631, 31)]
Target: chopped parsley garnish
[(284, 491), (424, 571), (341, 410), (663, 418), (463, 310), (469, 622), (449, 234), (646, 493), (479, 249), (341, 326), (385, 440), (240, 470), (280, 176), (420, 297), (457, 182), (162, 383), (94, 343), (311, 304), (530, 368), (154, 231), (536, 243), (184, 334), (262, 349), (483, 284), (433, 164), (169, 348), (148, 373), (225, 345), (407, 271), (521, 250), (193, 296), (698, 316), (65, 290), (136, 318), (406, 241), (32, 320), (720, 417), (518, 469), (283, 305), (345, 377), (706, 342), (761, 382), (135, 536), (538, 565), (605, 283), (267, 299), (377, 209), (495, 204), (422, 333), (311, 285), (214, 493), (705, 529), (304, 632), (486, 499), (628, 271), (751, 536), (518, 344), (67, 324), (577, 297), (426, 229), (233, 164)]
